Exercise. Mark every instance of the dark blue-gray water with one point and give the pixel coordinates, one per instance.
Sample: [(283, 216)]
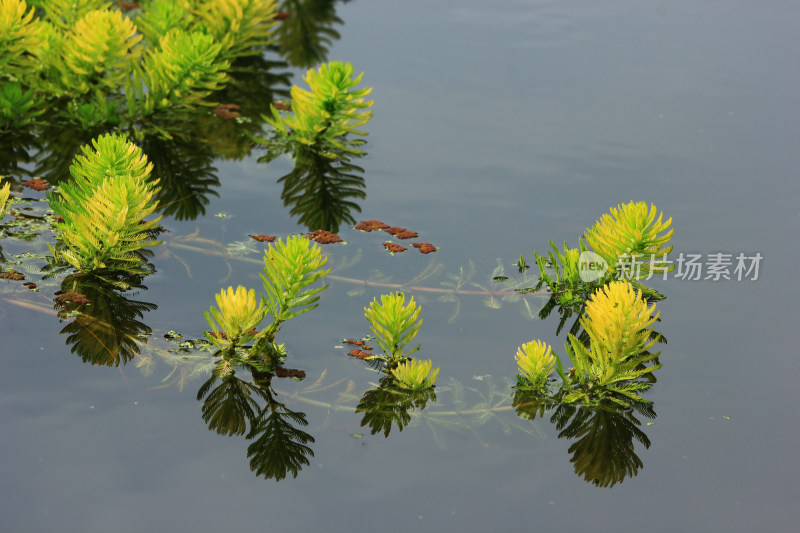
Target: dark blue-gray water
[(497, 127)]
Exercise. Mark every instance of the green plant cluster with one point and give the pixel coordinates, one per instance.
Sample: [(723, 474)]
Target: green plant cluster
[(290, 270), (631, 232), (395, 323), (91, 64), (326, 117), (613, 365), (104, 207)]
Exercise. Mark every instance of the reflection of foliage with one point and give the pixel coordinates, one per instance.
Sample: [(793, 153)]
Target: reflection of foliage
[(604, 453), (320, 189), (279, 446), (388, 405), (305, 36), (184, 173), (107, 330), (229, 406)]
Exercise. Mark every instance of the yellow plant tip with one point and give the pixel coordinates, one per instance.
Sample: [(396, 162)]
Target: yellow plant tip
[(415, 374), (618, 319), (535, 361), (632, 228)]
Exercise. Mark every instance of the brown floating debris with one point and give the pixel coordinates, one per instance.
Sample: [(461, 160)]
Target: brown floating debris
[(394, 230), (371, 225), (71, 296), (355, 352), (360, 344), (324, 237), (392, 247), (263, 238), (30, 285), (128, 5), (289, 373), (12, 274), (37, 184), (282, 106), (407, 234), (424, 247), (281, 15)]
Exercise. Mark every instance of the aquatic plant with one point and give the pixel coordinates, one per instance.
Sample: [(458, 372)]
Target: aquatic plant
[(5, 191), (619, 324), (179, 73), (535, 363), (394, 323), (632, 231), (565, 282), (290, 268), (325, 116), (235, 320), (20, 38), (98, 53), (415, 374), (632, 241), (18, 106), (611, 365), (104, 208), (242, 27)]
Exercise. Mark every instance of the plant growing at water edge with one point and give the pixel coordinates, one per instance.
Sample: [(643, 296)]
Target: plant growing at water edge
[(326, 115), (103, 209)]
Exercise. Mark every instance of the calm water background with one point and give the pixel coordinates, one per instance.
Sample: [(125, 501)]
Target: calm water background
[(497, 127)]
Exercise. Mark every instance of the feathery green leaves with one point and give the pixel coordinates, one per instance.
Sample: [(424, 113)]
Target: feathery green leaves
[(104, 207)]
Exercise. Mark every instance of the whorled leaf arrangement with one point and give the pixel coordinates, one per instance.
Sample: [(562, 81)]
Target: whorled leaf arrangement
[(20, 38), (619, 323), (235, 320), (415, 374), (99, 52), (180, 72), (104, 209), (632, 240), (290, 270), (104, 67), (395, 323), (325, 116), (632, 230)]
